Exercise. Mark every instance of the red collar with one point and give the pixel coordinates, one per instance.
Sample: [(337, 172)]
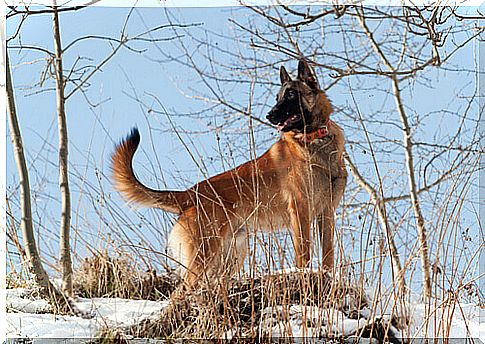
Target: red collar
[(319, 133)]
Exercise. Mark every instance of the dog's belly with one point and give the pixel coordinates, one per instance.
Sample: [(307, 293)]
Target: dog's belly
[(267, 224), (267, 218)]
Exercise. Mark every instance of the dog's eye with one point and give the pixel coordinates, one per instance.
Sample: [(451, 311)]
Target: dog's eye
[(291, 94)]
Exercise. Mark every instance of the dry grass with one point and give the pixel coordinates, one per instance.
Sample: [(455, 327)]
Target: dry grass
[(105, 276), (243, 308), (16, 280), (239, 306)]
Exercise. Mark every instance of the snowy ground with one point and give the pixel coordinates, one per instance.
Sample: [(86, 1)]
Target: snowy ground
[(321, 322), (112, 312), (30, 320)]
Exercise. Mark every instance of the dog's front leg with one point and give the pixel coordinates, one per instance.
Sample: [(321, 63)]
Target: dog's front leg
[(326, 220), (300, 228), (325, 223), (338, 188)]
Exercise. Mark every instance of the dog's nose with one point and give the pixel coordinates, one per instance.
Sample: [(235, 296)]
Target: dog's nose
[(270, 115)]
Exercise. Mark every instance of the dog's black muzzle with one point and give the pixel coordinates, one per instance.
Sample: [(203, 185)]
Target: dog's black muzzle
[(271, 116), (276, 115)]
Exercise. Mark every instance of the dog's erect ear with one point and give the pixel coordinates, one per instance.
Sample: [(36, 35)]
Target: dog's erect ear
[(306, 75), (284, 76)]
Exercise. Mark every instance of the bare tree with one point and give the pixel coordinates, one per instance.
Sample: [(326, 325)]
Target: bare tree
[(34, 262), (65, 247), (69, 78), (423, 238)]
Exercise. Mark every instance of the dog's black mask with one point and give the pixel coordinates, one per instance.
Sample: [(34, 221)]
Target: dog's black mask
[(289, 113)]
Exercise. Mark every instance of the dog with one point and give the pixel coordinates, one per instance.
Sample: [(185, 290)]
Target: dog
[(300, 179)]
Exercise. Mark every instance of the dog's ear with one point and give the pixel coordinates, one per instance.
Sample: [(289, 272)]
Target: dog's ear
[(284, 76), (306, 75)]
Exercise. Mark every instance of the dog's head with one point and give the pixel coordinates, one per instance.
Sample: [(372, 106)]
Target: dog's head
[(301, 106)]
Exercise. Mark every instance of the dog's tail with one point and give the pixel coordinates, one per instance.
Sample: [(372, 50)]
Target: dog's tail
[(132, 189)]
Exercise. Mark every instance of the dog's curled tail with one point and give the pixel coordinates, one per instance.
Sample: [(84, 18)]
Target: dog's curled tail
[(132, 190)]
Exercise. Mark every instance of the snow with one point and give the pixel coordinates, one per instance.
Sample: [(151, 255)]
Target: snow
[(120, 312), (295, 320), (308, 321), (113, 312), (465, 324), (17, 299), (28, 325)]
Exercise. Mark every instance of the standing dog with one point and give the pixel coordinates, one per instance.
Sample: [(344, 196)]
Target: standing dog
[(299, 179)]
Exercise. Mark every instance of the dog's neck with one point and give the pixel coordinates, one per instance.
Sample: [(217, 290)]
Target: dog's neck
[(319, 133)]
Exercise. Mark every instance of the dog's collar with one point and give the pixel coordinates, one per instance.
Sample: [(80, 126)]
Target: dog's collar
[(320, 133)]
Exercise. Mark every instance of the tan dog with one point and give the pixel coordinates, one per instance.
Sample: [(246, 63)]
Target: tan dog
[(299, 179)]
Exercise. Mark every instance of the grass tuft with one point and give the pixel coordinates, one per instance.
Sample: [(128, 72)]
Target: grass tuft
[(105, 276)]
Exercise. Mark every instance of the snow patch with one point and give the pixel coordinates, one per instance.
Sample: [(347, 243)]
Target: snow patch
[(308, 321), (27, 325), (19, 300), (120, 312), (464, 323), (453, 321), (114, 312)]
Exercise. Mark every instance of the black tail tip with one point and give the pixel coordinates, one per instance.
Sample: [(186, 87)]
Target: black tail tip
[(134, 136)]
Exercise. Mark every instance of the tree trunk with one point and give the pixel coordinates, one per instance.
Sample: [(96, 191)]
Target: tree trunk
[(408, 151), (33, 261), (65, 250), (423, 237)]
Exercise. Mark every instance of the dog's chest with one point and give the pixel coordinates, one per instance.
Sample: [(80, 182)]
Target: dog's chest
[(325, 158)]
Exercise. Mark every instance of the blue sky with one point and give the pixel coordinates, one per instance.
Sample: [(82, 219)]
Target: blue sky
[(162, 160)]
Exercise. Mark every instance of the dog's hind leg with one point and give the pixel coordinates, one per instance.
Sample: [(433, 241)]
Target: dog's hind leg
[(181, 245), (235, 249), (196, 248), (198, 245)]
